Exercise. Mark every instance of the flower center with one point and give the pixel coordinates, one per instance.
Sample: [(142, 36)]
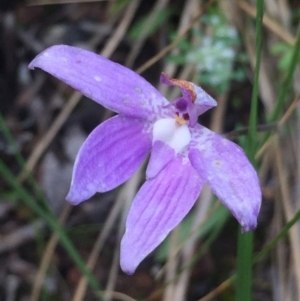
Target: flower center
[(172, 132), (181, 120), (182, 107)]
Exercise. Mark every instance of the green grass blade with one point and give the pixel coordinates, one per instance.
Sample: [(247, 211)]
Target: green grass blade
[(7, 175), (245, 241), (251, 147), (286, 85), (282, 234), (244, 267), (20, 160)]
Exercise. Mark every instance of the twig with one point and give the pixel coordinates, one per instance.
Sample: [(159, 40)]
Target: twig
[(288, 211), (202, 208), (50, 2), (48, 253), (82, 285), (12, 283), (281, 122), (168, 48), (189, 10), (119, 296), (21, 235), (268, 22), (243, 131), (126, 196), (49, 136), (119, 33), (159, 6), (218, 290), (171, 267)]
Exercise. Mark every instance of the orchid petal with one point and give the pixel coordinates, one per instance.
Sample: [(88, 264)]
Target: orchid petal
[(108, 157), (112, 85), (159, 206), (226, 169)]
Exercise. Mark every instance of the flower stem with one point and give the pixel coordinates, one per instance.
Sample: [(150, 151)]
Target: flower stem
[(22, 164), (244, 266)]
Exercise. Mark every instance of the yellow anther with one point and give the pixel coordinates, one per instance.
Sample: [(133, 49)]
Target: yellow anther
[(180, 120)]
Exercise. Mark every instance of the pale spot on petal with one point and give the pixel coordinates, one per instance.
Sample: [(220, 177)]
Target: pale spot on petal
[(217, 163), (97, 78)]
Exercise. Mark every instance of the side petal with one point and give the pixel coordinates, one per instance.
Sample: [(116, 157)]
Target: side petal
[(112, 85), (109, 156), (226, 169), (159, 206)]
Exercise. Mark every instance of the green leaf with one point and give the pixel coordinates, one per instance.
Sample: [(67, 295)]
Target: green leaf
[(138, 27), (118, 5)]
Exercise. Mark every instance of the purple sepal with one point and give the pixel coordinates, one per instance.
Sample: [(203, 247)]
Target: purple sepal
[(228, 172), (109, 156), (160, 205), (112, 85)]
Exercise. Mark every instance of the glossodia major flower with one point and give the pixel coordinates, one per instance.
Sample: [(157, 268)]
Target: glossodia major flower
[(184, 154)]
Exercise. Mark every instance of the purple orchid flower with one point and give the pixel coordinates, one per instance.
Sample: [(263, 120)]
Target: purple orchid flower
[(184, 154)]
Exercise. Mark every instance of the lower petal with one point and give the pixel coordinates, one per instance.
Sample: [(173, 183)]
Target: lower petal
[(159, 206), (226, 169), (109, 156), (161, 155)]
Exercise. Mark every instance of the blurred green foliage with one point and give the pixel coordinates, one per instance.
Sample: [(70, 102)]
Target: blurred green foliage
[(118, 5), (139, 26), (285, 53), (214, 49)]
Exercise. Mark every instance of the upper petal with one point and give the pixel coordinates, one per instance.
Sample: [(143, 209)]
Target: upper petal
[(108, 157), (197, 100), (112, 85), (226, 169), (161, 203)]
